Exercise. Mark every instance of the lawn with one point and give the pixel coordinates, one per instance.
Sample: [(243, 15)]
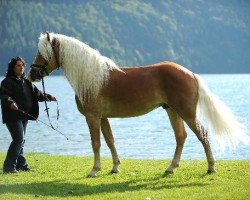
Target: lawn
[(65, 177)]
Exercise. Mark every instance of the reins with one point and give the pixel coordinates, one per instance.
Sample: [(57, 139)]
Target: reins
[(47, 109), (49, 125)]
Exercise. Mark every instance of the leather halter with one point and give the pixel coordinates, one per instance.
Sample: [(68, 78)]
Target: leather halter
[(43, 67), (53, 44)]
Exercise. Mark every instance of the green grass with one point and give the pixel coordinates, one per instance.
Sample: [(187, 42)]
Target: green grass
[(64, 177)]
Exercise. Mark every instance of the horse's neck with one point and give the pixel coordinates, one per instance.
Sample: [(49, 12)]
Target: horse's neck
[(85, 80)]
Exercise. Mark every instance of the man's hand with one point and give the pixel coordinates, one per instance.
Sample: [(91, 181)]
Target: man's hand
[(13, 106), (53, 98)]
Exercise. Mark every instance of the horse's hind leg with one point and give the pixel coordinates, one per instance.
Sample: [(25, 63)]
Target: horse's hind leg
[(107, 133), (180, 136), (201, 134)]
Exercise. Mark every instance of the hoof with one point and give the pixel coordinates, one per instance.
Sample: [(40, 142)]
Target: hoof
[(91, 176), (211, 171), (115, 171), (169, 172)]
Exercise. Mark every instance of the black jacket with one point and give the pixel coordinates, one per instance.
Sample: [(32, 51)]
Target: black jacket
[(12, 90)]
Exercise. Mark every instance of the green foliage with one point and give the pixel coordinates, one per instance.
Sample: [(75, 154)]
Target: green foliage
[(205, 36), (64, 177)]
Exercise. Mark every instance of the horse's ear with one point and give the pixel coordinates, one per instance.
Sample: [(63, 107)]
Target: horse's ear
[(48, 37)]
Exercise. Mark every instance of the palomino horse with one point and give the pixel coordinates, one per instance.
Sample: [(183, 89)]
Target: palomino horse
[(104, 91)]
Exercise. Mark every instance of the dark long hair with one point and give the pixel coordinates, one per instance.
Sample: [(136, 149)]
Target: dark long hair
[(12, 64)]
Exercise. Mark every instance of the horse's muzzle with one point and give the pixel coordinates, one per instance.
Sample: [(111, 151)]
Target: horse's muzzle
[(37, 72), (34, 75)]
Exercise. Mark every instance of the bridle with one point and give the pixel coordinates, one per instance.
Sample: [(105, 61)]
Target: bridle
[(43, 68), (40, 74)]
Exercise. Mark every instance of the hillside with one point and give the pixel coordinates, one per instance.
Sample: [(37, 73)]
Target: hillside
[(205, 36)]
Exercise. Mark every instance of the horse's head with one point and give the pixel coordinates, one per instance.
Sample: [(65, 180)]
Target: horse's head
[(47, 58)]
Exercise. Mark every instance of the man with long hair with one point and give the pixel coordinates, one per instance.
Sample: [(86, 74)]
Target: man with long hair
[(17, 94)]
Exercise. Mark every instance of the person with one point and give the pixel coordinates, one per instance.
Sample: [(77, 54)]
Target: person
[(18, 94)]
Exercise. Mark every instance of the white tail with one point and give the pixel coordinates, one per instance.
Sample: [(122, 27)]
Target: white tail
[(218, 119)]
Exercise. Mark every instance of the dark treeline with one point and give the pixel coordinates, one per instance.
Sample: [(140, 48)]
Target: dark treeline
[(204, 36)]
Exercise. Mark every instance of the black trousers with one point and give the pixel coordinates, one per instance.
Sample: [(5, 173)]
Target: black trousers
[(15, 158)]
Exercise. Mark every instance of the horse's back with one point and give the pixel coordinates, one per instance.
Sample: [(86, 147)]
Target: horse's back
[(138, 90)]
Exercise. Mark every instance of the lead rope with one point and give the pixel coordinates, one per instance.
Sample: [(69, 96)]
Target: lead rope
[(42, 122), (47, 109)]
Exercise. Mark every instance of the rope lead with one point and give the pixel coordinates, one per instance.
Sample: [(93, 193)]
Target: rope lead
[(49, 125)]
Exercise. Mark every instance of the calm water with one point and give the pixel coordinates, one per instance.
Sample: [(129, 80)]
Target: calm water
[(146, 137)]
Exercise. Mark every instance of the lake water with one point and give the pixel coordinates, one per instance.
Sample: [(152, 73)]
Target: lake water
[(146, 137)]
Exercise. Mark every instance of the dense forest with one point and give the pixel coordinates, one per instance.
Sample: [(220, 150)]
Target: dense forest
[(205, 36)]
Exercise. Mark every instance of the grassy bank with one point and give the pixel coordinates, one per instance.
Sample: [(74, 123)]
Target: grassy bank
[(64, 177)]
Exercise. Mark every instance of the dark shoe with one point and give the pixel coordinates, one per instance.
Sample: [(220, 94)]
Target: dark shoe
[(24, 168), (12, 171)]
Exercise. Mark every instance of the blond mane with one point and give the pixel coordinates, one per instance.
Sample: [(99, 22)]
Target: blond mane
[(85, 68)]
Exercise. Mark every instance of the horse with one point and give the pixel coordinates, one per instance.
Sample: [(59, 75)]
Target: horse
[(104, 90)]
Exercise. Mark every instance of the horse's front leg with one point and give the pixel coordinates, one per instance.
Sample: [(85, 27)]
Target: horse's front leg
[(107, 133), (94, 128)]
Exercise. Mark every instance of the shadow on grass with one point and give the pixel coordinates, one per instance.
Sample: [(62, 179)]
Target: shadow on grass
[(61, 189)]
